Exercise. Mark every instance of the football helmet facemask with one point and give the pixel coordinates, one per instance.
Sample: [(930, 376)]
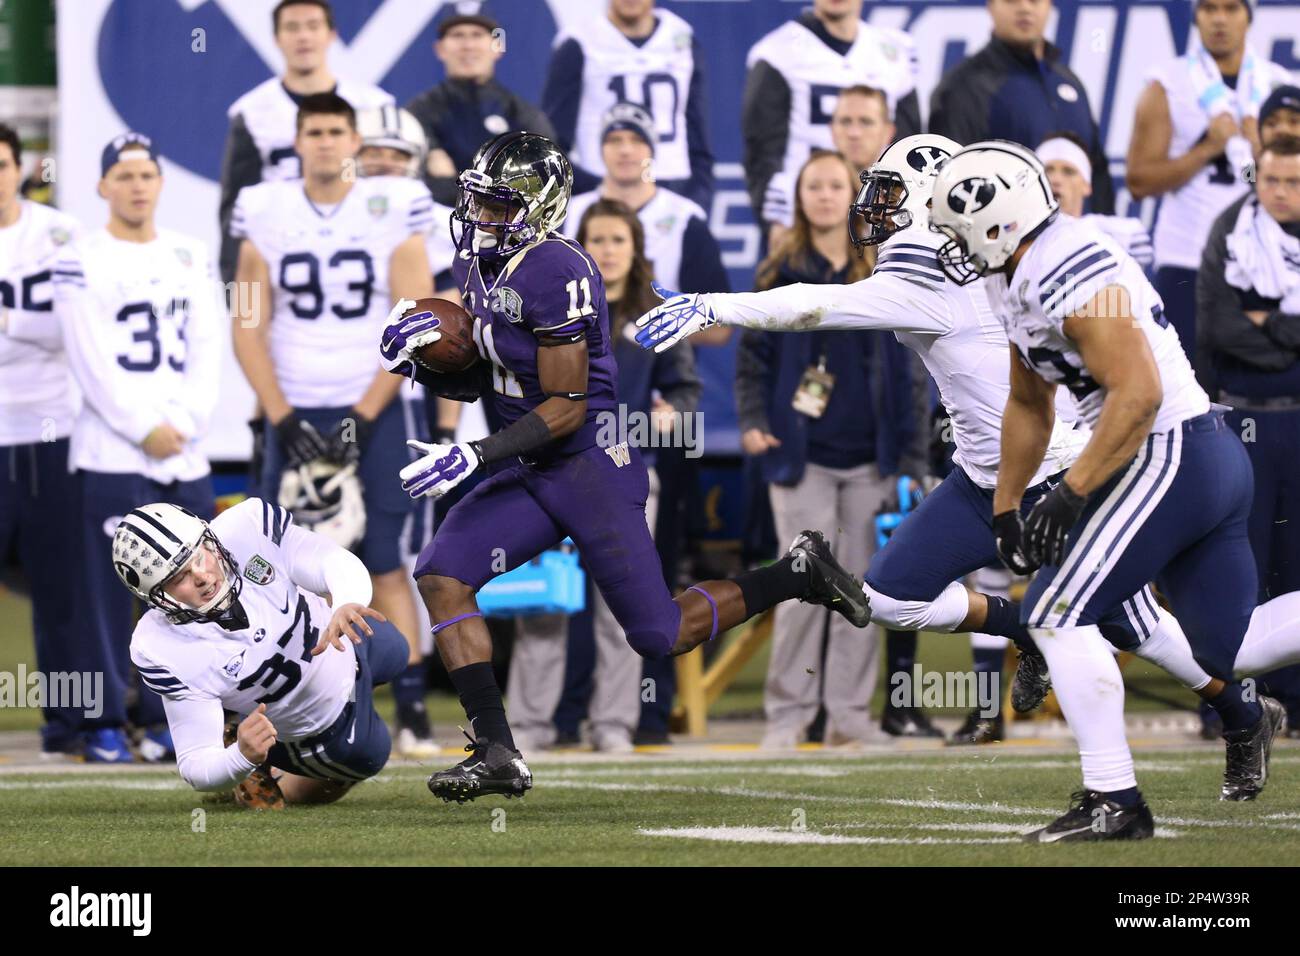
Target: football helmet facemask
[(515, 192), (154, 543), (326, 498), (896, 188)]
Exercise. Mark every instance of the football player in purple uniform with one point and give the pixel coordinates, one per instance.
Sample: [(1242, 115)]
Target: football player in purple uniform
[(541, 323)]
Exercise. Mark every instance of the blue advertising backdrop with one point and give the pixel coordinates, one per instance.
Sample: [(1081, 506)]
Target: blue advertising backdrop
[(170, 68)]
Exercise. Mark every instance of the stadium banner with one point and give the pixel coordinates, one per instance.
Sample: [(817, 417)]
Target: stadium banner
[(171, 68)]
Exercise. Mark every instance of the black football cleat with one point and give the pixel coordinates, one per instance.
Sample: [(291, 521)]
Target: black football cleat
[(1093, 817), (491, 767), (828, 583), (908, 722), (1248, 752), (977, 729), (1031, 683)]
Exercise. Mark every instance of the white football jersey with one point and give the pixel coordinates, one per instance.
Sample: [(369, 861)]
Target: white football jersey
[(142, 327), (271, 117), (1070, 262), (329, 279), (951, 327), (269, 661), (36, 389), (655, 74), (1129, 232), (880, 57), (440, 248), (1187, 213), (663, 219)]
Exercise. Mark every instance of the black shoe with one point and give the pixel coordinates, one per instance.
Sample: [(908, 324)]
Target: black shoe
[(828, 583), (908, 722), (977, 729), (1093, 817), (491, 767), (1248, 752), (1031, 683)]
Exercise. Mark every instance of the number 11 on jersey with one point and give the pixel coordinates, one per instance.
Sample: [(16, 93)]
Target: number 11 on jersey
[(503, 380)]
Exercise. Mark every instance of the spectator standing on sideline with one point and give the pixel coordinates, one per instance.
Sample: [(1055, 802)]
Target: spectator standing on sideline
[(38, 495), (634, 54), (682, 251), (259, 146), (830, 415), (1248, 325), (1069, 171), (1017, 88), (1192, 138), (469, 106), (795, 76)]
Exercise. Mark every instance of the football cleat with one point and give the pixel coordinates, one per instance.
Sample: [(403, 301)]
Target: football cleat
[(491, 767), (414, 735), (828, 583), (108, 745), (259, 791), (1031, 683), (977, 729), (908, 722), (157, 747), (1093, 817), (1248, 752)]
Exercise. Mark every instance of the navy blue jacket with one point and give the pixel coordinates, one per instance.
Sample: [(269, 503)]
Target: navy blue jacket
[(1003, 92), (769, 366)]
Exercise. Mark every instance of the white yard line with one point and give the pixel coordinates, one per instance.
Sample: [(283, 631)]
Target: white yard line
[(774, 835)]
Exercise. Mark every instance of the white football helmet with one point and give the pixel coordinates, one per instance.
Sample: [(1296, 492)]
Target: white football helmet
[(154, 542), (988, 199), (896, 188), (326, 498), (394, 128)]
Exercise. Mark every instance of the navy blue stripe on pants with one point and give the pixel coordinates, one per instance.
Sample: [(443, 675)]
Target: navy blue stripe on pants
[(39, 504), (1176, 515), (358, 744), (105, 633)]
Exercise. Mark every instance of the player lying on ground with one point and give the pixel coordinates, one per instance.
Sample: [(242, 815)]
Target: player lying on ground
[(236, 625), (914, 581), (1161, 491), (540, 319)]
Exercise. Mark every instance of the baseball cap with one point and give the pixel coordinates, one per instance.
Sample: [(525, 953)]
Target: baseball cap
[(126, 143)]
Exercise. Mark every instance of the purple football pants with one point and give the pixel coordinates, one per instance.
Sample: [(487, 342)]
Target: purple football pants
[(520, 512)]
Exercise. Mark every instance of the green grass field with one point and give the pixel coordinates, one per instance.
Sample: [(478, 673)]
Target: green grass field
[(686, 804), (910, 809)]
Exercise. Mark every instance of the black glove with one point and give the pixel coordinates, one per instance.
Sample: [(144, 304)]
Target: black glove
[(349, 438), (1049, 524), (299, 440), (1008, 529)]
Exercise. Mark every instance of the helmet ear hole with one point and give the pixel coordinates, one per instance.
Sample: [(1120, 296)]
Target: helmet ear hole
[(992, 234)]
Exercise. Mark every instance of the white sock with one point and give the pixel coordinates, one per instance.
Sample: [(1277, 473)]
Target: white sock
[(944, 613), (1168, 649), (1273, 638), (1091, 693)]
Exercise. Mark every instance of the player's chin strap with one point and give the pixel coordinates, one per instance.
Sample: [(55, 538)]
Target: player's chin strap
[(455, 620), (712, 604)]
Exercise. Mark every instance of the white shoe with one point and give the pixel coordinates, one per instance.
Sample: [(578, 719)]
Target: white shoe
[(612, 742), (418, 748), (779, 739)]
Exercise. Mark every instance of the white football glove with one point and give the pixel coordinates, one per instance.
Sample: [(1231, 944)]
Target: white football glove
[(440, 469), (680, 315), (404, 335)]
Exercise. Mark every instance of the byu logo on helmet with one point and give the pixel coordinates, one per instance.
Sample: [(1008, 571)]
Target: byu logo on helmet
[(971, 195), (926, 159)]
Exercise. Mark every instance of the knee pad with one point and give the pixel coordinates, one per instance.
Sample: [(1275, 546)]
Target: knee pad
[(944, 613)]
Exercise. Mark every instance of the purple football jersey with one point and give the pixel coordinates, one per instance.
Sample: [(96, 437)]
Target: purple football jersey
[(550, 288)]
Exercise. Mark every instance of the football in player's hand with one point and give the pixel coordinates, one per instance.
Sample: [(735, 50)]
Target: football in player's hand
[(455, 350)]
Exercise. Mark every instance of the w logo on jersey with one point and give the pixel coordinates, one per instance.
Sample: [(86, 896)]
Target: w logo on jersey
[(619, 454), (971, 195)]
